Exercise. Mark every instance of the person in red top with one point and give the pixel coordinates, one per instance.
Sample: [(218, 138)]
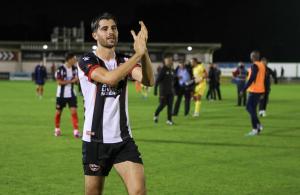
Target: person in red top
[(256, 87)]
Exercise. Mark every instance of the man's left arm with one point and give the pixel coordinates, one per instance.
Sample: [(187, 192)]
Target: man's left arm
[(254, 71), (144, 74), (273, 74), (75, 78)]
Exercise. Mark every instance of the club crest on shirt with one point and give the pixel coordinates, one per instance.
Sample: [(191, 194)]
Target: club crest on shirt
[(86, 58)]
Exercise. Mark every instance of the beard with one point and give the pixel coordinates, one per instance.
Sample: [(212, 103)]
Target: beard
[(108, 43)]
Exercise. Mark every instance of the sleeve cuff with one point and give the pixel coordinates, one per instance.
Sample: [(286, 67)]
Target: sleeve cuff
[(91, 70)]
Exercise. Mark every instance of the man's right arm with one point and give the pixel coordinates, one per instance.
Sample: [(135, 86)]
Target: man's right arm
[(62, 82), (273, 74), (99, 74), (112, 78)]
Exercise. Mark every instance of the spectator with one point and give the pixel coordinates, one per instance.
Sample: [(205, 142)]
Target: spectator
[(239, 78), (183, 87), (282, 72), (256, 87), (40, 76), (165, 82), (211, 92), (218, 80), (200, 76), (265, 98)]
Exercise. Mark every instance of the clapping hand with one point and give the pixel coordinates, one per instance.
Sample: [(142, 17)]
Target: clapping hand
[(140, 39)]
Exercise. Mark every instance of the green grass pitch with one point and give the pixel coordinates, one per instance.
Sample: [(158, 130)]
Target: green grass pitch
[(209, 155)]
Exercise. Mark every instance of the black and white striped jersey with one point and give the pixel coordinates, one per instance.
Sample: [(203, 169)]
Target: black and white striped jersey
[(106, 107), (66, 74)]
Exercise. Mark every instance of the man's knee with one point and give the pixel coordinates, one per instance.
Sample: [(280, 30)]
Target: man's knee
[(93, 185), (93, 191), (138, 190), (73, 110)]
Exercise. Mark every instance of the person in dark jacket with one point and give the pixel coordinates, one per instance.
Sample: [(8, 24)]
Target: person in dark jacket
[(40, 76), (239, 78), (211, 92), (265, 99), (183, 87), (165, 82), (218, 74)]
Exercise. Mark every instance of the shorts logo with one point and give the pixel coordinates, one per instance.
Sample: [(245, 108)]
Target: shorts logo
[(94, 167)]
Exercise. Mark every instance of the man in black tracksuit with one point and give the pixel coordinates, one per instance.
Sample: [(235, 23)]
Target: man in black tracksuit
[(218, 80), (211, 93), (264, 101), (165, 81)]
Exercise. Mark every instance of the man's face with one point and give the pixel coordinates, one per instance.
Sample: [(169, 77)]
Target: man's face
[(72, 61), (107, 33), (254, 56), (193, 62), (168, 61)]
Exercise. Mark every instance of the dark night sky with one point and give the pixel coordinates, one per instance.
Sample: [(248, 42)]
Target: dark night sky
[(273, 27)]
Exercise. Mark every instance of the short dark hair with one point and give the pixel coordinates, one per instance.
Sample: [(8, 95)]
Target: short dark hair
[(104, 16), (196, 60), (69, 55), (167, 55), (255, 55)]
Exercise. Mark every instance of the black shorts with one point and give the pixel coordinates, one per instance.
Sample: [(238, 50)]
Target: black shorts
[(98, 158), (39, 82), (61, 102)]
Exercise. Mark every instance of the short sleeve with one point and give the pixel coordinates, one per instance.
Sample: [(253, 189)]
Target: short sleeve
[(59, 74), (88, 63)]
